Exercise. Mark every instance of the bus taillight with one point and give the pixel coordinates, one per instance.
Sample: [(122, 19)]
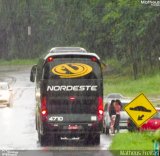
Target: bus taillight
[(44, 112), (94, 59), (50, 59), (100, 109)]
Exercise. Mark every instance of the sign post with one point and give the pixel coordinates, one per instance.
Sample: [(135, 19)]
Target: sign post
[(156, 148)]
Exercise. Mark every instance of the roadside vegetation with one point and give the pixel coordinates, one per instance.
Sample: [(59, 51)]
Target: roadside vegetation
[(132, 141), (123, 29), (147, 84), (118, 78), (18, 62)]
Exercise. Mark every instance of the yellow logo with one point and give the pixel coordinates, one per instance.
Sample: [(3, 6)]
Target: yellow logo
[(72, 70), (140, 110)]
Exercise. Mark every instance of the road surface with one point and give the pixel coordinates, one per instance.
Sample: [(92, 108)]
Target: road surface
[(17, 124)]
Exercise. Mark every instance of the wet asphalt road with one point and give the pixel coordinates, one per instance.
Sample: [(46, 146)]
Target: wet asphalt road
[(17, 124)]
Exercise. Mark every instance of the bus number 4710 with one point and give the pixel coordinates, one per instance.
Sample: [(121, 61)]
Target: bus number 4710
[(56, 118)]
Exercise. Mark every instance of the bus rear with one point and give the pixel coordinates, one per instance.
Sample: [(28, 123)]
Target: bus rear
[(71, 95)]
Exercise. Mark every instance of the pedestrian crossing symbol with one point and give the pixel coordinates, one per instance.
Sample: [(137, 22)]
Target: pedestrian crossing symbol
[(140, 110)]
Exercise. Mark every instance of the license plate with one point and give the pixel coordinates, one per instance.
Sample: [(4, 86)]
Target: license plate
[(73, 127)]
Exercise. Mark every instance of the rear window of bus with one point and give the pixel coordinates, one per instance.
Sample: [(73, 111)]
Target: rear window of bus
[(77, 68)]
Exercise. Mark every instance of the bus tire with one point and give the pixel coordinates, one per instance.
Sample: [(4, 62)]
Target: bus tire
[(42, 139), (93, 139), (97, 139)]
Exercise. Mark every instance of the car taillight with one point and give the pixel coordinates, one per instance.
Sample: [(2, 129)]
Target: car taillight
[(100, 109), (44, 112), (50, 59)]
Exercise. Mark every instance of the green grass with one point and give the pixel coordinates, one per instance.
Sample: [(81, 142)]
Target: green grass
[(149, 85), (19, 62), (132, 142)]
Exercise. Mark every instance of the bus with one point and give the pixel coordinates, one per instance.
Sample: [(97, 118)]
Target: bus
[(69, 95)]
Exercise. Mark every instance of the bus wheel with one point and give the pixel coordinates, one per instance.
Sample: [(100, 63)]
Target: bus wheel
[(93, 139), (55, 139), (42, 140), (96, 139)]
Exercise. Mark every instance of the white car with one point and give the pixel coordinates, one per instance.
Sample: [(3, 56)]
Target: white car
[(113, 96), (5, 94)]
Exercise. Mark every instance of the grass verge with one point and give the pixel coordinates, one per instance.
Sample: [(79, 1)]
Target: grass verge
[(149, 85), (19, 62), (132, 142)]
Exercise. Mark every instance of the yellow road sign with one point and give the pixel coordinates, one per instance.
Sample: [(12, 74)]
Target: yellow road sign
[(140, 109)]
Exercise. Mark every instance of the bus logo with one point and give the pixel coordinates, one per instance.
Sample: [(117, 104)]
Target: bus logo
[(72, 70)]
